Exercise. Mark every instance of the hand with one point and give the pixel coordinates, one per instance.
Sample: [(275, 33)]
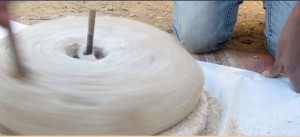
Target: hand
[(4, 19), (288, 52)]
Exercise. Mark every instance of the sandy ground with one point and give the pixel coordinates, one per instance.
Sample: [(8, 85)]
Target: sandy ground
[(248, 34)]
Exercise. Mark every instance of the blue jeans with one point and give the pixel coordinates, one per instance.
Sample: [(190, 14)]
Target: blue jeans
[(204, 26)]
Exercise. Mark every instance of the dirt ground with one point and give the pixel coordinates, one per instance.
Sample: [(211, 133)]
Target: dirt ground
[(248, 34)]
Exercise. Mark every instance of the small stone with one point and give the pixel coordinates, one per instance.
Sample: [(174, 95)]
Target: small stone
[(23, 17), (110, 8), (125, 9), (131, 14), (255, 57), (151, 16), (169, 30), (159, 17)]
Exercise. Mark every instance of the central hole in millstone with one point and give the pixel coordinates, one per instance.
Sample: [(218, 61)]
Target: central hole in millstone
[(78, 51)]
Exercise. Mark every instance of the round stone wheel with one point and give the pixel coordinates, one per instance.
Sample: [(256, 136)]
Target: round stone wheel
[(139, 80)]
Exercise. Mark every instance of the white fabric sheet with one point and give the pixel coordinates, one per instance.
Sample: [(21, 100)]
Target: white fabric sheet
[(255, 104)]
